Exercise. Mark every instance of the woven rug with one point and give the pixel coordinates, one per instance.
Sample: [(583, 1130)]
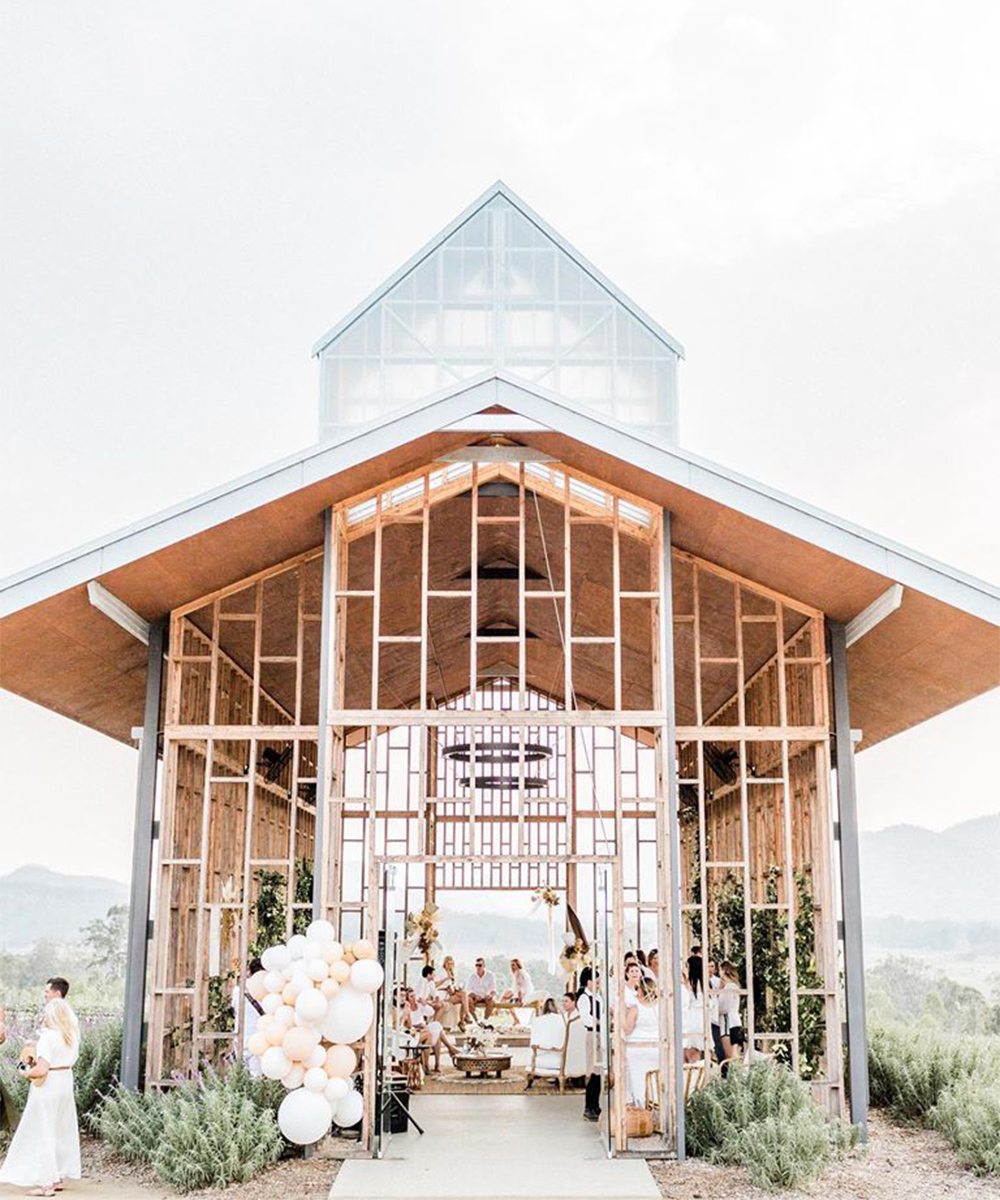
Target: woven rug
[(455, 1083)]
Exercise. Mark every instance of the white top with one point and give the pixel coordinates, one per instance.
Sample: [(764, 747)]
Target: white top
[(425, 989), (729, 1002), (647, 1025), (53, 1049), (481, 985), (588, 1006), (522, 984), (445, 983)]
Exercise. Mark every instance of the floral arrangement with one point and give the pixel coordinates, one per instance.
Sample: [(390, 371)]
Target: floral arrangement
[(421, 930), (482, 1038), (546, 895)]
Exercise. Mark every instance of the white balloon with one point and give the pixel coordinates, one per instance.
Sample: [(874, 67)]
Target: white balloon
[(274, 1064), (285, 1016), (289, 969), (317, 1058), (304, 1117), (335, 1090), (569, 938), (349, 1110), (299, 982), (275, 957), (271, 1002), (296, 945), (311, 1006), (315, 1080), (321, 931), (316, 969), (349, 1015), (366, 975), (273, 982)]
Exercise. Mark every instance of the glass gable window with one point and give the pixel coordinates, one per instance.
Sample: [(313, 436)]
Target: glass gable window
[(499, 294)]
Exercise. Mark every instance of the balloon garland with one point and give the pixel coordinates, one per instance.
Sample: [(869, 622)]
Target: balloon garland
[(317, 998)]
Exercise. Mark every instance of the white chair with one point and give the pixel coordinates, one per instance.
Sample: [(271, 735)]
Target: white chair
[(551, 1037), (575, 1064)]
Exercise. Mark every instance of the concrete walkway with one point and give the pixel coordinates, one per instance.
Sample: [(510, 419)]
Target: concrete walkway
[(496, 1148)]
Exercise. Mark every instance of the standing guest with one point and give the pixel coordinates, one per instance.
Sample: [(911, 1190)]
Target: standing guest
[(641, 1027), (693, 1011), (10, 1114), (46, 1147), (712, 997), (729, 1010), (653, 963), (569, 1004), (588, 1005), (252, 1012), (56, 988), (482, 989)]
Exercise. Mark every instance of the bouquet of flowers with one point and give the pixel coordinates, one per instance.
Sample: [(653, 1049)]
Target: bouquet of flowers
[(421, 930), (482, 1038)]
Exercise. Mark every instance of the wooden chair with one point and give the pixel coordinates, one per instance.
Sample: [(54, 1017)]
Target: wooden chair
[(556, 1058)]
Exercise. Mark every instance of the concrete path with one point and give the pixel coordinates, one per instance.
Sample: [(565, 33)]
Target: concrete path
[(496, 1148)]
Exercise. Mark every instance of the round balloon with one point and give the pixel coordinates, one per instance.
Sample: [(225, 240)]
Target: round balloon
[(329, 987), (271, 1003), (256, 986), (257, 1044), (348, 1016), (335, 1090), (317, 1058), (268, 1027), (363, 949), (274, 1063), (273, 981), (275, 957), (315, 1079), (366, 975), (340, 970), (299, 1042), (317, 969), (340, 1061), (569, 938), (285, 1016), (296, 945), (311, 1005), (304, 1117), (321, 931), (333, 952), (349, 1110), (294, 1077)]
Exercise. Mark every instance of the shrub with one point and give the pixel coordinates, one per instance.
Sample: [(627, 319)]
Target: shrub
[(968, 1114), (764, 1118), (218, 1130), (909, 1069), (214, 1137)]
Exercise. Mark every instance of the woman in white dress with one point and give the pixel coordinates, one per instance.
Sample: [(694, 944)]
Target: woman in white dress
[(642, 1033), (521, 991), (46, 1146)]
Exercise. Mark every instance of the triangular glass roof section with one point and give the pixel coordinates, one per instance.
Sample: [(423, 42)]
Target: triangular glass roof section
[(499, 289)]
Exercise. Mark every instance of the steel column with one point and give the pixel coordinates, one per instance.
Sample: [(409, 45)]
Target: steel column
[(673, 827), (850, 880), (142, 860)]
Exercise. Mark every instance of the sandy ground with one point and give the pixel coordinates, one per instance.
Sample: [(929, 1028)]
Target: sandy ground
[(901, 1164)]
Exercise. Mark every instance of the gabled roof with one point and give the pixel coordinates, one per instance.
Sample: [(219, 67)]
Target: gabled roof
[(501, 190), (941, 647)]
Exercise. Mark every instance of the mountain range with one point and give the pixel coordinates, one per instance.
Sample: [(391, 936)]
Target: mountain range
[(907, 872)]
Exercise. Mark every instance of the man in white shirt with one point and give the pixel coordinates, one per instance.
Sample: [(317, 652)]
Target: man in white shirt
[(481, 988)]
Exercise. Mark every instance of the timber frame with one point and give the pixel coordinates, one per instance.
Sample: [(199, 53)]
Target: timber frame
[(500, 675)]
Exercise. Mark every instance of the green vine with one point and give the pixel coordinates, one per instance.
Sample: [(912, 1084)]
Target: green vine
[(271, 908)]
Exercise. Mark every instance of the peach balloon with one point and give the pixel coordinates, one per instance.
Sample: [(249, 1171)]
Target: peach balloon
[(334, 952), (266, 1025), (256, 985), (329, 987), (363, 949), (257, 1044), (299, 1042), (348, 957), (285, 1016), (294, 1077), (340, 971), (341, 1061), (288, 993)]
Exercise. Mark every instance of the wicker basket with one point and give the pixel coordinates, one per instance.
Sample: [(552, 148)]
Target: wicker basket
[(638, 1122)]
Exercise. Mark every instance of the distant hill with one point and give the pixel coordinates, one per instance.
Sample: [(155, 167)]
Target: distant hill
[(923, 875), (37, 903)]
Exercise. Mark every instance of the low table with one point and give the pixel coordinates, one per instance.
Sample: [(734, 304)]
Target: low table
[(482, 1064)]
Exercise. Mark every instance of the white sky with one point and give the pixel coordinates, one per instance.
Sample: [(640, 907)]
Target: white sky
[(807, 197)]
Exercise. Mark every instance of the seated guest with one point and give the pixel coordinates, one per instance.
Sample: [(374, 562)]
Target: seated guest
[(641, 1027), (521, 991), (447, 983), (482, 988), (419, 1018), (429, 994)]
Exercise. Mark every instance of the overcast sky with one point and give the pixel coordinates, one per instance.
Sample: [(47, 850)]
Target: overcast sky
[(806, 196)]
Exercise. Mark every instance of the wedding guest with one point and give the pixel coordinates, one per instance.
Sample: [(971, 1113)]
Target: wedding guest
[(45, 1149), (448, 984), (693, 1012), (569, 1004), (56, 988), (549, 1007), (712, 998), (588, 1004), (521, 980), (653, 963), (482, 988), (430, 1033), (641, 1027), (729, 1010)]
